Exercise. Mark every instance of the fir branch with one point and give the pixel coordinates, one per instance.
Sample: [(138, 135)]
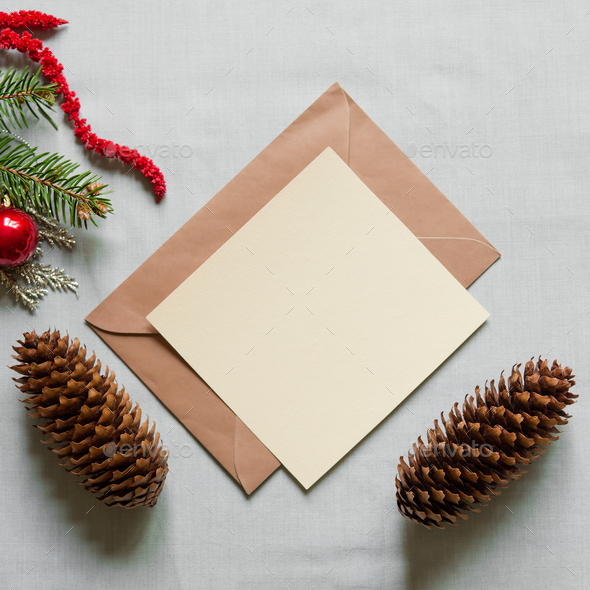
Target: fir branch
[(49, 184), (29, 296), (38, 277), (23, 90), (51, 232), (43, 275)]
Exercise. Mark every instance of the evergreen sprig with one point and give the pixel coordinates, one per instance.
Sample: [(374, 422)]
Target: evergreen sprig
[(37, 277), (49, 183), (22, 92), (50, 231)]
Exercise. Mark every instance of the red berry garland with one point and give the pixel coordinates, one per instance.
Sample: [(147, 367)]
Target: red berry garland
[(30, 19), (25, 43)]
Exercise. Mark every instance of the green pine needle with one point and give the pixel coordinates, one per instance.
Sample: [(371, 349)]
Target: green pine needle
[(50, 185), (21, 93)]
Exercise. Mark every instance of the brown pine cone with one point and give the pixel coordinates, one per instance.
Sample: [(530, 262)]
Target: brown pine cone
[(90, 424), (478, 451)]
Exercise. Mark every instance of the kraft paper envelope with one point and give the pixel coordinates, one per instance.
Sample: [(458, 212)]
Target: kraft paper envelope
[(318, 317), (334, 120)]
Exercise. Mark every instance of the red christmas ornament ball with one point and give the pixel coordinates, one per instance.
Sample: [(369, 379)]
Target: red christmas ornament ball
[(18, 236)]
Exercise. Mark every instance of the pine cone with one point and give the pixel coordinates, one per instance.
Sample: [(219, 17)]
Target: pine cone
[(478, 451), (89, 422)]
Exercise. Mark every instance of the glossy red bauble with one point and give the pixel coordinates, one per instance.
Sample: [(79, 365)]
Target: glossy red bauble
[(18, 236)]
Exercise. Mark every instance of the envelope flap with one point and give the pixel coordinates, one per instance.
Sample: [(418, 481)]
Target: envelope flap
[(415, 200), (119, 316)]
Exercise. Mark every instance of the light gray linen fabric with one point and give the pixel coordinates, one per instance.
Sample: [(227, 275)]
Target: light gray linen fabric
[(491, 100)]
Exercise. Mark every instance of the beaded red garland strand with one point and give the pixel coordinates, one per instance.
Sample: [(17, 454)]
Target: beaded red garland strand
[(52, 69), (30, 19)]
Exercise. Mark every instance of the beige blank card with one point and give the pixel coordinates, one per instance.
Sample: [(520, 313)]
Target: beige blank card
[(318, 317)]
